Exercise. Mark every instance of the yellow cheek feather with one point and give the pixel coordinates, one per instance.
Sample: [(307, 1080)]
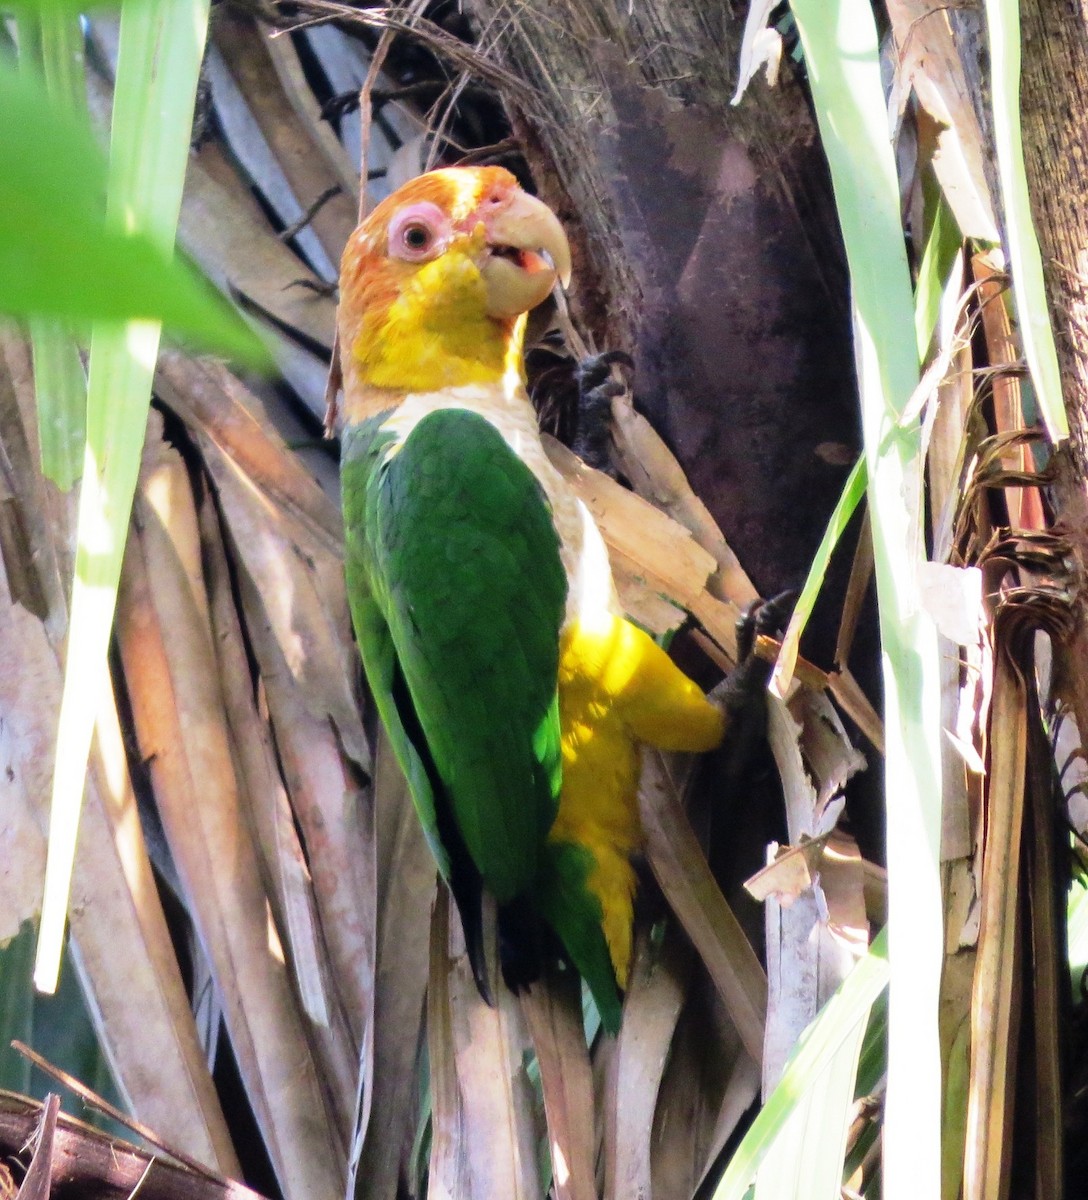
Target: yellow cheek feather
[(617, 688), (436, 333)]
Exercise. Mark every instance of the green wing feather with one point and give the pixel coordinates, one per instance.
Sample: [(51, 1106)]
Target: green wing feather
[(457, 595), (455, 580), (575, 914), (363, 449)]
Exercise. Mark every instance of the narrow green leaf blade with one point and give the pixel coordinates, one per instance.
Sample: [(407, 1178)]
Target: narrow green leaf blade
[(840, 44), (845, 507), (942, 244), (55, 37), (831, 1042), (808, 1159), (1077, 933), (1025, 260), (158, 65), (59, 257)]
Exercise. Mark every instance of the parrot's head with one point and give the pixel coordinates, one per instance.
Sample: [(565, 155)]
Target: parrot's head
[(436, 282)]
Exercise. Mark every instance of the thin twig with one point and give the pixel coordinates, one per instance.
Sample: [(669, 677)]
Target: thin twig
[(94, 1100), (298, 226), (433, 36)]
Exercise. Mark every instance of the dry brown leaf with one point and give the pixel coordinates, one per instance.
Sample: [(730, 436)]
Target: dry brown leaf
[(146, 1024), (791, 871), (680, 869), (299, 593), (1003, 350), (38, 1182), (405, 879), (490, 1044), (283, 54), (29, 703), (291, 140), (257, 163), (553, 1013), (329, 806), (238, 255), (697, 1102), (657, 476), (1045, 943), (286, 873), (741, 1093), (648, 608), (213, 401), (651, 1008), (955, 1036), (847, 883), (853, 701), (89, 1162), (448, 1175), (662, 553), (170, 668), (995, 995), (810, 948), (43, 517), (145, 1020), (929, 61), (220, 229)]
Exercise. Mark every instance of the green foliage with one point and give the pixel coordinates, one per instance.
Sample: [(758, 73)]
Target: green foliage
[(1025, 260), (123, 219), (57, 1027), (800, 1129), (58, 253)]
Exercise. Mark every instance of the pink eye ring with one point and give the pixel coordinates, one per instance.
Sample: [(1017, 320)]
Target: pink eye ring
[(417, 232)]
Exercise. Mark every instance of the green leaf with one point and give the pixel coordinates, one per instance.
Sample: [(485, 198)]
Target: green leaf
[(841, 52), (63, 8), (852, 492), (1025, 261), (821, 1068), (942, 245), (51, 41), (158, 64), (58, 254), (1077, 933), (59, 1028), (16, 1008)]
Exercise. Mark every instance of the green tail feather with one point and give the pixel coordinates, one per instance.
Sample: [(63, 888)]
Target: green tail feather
[(575, 914)]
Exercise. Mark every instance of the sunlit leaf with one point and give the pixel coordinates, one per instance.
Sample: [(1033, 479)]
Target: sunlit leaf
[(830, 1044), (841, 50), (1025, 260), (59, 256), (158, 65)]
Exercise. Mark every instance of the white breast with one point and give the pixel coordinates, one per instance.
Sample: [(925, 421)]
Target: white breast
[(582, 549)]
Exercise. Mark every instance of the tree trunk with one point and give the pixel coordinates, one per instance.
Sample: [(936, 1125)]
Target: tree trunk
[(1055, 128)]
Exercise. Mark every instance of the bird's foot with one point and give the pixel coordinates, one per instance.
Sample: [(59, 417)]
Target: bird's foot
[(750, 675), (596, 389)]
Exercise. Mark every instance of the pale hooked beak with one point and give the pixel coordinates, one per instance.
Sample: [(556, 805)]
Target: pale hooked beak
[(527, 251)]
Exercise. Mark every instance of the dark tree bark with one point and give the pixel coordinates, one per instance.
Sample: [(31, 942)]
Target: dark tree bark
[(1055, 126)]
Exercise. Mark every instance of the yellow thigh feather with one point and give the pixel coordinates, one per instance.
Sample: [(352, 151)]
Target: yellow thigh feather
[(617, 688)]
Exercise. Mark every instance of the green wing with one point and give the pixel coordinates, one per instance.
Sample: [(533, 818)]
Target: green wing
[(457, 589)]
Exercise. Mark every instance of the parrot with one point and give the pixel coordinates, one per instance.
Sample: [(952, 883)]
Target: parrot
[(514, 691)]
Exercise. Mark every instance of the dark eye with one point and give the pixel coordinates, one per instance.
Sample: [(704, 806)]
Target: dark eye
[(417, 232), (416, 237)]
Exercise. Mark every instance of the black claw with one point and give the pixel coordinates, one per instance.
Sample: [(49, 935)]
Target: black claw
[(596, 388), (749, 677), (766, 617)]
